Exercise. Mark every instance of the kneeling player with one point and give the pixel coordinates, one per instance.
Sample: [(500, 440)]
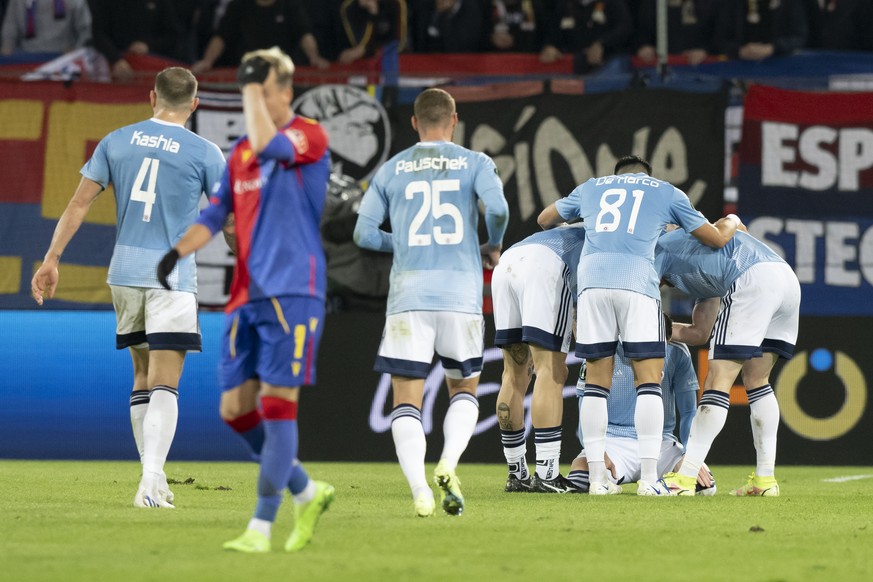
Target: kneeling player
[(679, 390)]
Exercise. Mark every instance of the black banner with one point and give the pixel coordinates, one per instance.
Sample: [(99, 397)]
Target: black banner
[(823, 396), (346, 417), (822, 393), (545, 145)]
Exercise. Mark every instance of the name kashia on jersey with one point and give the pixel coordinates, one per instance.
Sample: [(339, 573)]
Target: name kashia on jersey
[(167, 144)]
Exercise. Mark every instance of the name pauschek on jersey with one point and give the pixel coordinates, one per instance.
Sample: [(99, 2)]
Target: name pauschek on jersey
[(440, 163), (627, 179), (167, 144)]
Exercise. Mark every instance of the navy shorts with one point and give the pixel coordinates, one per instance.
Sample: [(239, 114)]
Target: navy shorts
[(275, 340)]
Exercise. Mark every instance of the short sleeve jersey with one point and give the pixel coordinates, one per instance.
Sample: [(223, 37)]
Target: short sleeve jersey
[(702, 272), (158, 170), (623, 217), (564, 241), (431, 192)]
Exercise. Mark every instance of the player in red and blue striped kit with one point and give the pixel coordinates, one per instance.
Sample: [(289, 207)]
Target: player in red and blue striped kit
[(275, 184)]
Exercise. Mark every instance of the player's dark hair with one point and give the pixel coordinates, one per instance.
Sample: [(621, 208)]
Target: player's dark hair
[(630, 161), (176, 86), (668, 326), (433, 108)]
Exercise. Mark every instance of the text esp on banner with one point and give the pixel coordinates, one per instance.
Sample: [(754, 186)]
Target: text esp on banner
[(806, 187)]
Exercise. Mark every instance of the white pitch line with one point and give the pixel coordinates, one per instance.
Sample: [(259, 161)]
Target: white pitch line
[(849, 478)]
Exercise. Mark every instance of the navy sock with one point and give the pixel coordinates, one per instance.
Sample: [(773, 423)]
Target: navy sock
[(277, 455)]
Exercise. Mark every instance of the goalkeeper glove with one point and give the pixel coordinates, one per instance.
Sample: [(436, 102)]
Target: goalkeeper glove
[(166, 266), (254, 70)]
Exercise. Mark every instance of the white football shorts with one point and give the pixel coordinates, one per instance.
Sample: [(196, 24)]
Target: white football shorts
[(624, 452), (604, 315), (155, 318), (533, 302), (760, 313), (410, 339)]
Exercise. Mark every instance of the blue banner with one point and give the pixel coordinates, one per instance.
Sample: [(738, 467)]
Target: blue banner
[(833, 260)]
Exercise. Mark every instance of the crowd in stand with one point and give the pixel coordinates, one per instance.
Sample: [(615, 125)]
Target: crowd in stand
[(215, 33)]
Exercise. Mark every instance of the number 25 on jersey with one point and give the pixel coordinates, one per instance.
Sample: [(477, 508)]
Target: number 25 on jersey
[(432, 206)]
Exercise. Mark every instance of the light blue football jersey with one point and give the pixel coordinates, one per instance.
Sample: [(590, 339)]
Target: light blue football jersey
[(623, 217), (158, 170), (679, 376), (702, 272), (431, 193), (566, 241)]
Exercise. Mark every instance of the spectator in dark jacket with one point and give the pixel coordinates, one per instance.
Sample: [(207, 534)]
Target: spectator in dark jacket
[(690, 29), (756, 29), (367, 25), (592, 30), (844, 25), (136, 26), (249, 25), (195, 20), (516, 26), (447, 26)]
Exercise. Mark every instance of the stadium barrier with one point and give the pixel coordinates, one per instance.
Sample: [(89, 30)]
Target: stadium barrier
[(64, 395)]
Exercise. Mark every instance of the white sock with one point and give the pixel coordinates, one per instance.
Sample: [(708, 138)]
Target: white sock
[(764, 411), (261, 525), (593, 418), (458, 427), (410, 444), (516, 461), (515, 450), (307, 495), (139, 405), (548, 450), (159, 428), (708, 422), (649, 424)]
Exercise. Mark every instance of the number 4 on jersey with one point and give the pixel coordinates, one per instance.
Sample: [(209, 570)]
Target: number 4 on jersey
[(148, 169)]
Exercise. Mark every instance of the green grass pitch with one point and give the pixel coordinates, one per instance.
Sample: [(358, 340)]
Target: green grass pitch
[(71, 521)]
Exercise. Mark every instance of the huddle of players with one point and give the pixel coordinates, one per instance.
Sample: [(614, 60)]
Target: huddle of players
[(742, 288)]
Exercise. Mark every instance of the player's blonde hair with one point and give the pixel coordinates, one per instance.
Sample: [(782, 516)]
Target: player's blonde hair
[(279, 62), (176, 87), (434, 108)]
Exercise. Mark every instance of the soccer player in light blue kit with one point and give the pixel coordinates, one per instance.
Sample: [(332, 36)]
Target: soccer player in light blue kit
[(619, 296), (431, 193), (159, 170), (679, 390), (752, 298), (534, 294)]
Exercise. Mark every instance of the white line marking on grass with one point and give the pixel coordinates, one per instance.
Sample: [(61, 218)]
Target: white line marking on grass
[(845, 479)]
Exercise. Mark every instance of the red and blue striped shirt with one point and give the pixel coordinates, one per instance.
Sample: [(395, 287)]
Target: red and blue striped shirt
[(277, 198)]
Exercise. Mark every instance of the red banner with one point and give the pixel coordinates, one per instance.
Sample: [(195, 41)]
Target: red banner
[(797, 146)]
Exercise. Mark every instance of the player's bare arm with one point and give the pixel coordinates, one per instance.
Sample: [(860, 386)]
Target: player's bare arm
[(702, 319), (549, 217), (229, 232), (45, 280), (490, 255), (719, 234)]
